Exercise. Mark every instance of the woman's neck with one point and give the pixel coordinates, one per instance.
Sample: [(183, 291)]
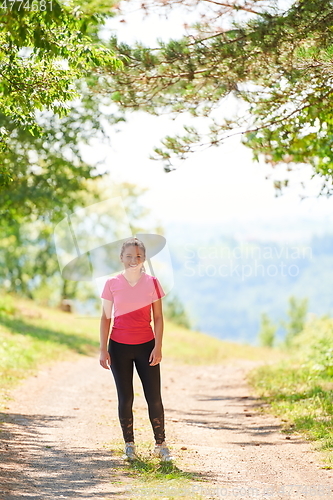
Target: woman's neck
[(131, 275)]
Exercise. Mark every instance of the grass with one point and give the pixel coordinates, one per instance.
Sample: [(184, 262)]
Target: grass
[(299, 389), (156, 479), (197, 348)]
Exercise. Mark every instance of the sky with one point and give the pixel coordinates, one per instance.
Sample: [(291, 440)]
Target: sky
[(219, 185)]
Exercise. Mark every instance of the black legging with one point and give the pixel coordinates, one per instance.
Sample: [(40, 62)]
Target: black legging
[(122, 357)]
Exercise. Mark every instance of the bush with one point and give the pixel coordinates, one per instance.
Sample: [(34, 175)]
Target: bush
[(297, 313), (267, 331), (175, 312), (315, 346), (7, 305)]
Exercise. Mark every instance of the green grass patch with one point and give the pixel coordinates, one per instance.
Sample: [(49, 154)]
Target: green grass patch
[(197, 348), (299, 389), (156, 479)]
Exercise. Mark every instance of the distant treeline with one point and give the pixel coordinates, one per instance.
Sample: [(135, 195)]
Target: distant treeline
[(226, 285)]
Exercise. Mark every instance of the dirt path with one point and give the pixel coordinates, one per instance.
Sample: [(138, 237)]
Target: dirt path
[(62, 431)]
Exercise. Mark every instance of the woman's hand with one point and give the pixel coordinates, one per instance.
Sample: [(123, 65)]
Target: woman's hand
[(105, 360), (155, 356)]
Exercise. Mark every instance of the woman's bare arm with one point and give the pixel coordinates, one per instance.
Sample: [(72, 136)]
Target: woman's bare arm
[(156, 354), (105, 323), (158, 322)]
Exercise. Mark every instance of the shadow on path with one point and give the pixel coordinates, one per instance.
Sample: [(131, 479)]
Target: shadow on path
[(30, 468)]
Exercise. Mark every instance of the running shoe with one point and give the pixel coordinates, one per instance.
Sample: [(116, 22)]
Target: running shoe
[(163, 452), (130, 451)]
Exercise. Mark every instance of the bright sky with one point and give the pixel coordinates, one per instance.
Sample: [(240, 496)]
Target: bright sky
[(216, 185)]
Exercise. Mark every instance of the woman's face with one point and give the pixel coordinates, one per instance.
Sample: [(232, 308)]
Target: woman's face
[(133, 257)]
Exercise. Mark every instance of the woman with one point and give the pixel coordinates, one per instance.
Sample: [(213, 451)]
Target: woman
[(133, 294)]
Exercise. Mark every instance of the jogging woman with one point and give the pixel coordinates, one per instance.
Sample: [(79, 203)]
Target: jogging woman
[(132, 294)]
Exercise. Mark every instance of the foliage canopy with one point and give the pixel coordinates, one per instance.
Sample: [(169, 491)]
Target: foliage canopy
[(43, 54), (273, 57)]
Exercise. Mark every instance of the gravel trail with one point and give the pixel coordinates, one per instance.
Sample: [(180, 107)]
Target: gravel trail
[(61, 437)]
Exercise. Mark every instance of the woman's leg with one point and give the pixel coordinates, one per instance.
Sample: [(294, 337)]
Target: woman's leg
[(122, 369), (151, 383)]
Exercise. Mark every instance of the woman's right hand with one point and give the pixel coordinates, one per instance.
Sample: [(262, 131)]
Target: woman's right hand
[(105, 360)]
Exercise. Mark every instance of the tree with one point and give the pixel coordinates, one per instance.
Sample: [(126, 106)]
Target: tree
[(297, 313), (28, 258), (46, 61), (276, 62), (45, 48), (267, 331), (48, 171), (47, 113), (175, 312)]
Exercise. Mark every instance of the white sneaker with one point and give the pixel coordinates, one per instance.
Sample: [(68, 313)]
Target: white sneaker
[(162, 451), (130, 451)]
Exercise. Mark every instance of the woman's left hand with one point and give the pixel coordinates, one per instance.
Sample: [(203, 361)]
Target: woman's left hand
[(155, 356)]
